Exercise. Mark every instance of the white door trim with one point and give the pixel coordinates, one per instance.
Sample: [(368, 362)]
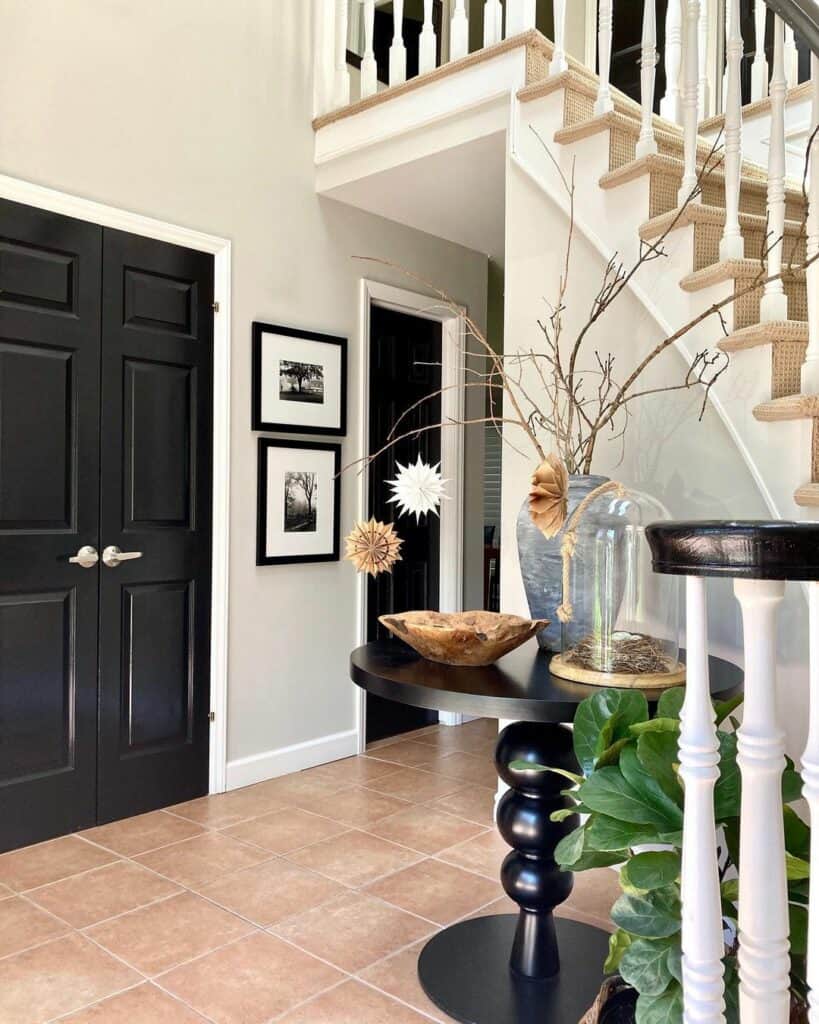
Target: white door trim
[(21, 191), (452, 449)]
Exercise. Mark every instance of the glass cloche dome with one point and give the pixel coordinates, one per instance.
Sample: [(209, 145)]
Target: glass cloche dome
[(620, 620)]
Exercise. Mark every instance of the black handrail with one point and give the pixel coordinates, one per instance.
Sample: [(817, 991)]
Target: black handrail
[(802, 16)]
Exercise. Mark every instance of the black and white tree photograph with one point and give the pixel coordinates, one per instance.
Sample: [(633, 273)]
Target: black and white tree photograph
[(300, 502), (301, 382)]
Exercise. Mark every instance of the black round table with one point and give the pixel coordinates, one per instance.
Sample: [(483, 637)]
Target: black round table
[(506, 969)]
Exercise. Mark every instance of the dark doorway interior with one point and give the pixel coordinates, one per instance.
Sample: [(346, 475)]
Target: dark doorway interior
[(405, 355), (412, 24), (627, 37)]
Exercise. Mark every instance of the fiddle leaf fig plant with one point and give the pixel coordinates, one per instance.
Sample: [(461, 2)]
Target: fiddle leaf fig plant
[(633, 798)]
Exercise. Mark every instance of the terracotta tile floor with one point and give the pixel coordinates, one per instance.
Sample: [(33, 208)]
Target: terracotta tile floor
[(304, 899)]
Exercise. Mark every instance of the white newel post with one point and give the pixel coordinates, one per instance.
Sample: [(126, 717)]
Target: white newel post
[(369, 71), (764, 963), (689, 98), (428, 42), (732, 244), (702, 939), (520, 16), (810, 775), (810, 368), (559, 62), (774, 305), (605, 16), (670, 103), (342, 78), (647, 143), (492, 22), (458, 31), (704, 97), (791, 58), (398, 52), (759, 68)]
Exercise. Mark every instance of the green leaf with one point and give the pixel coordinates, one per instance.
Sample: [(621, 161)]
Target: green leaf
[(791, 784), (724, 708), (797, 834), (656, 915), (664, 1009), (539, 769), (607, 833), (645, 967), (653, 870), (675, 960), (656, 725), (797, 868), (727, 792), (669, 813), (659, 754), (618, 944), (592, 716), (611, 755), (592, 859), (670, 703), (562, 814), (799, 929), (730, 890), (570, 847), (731, 991)]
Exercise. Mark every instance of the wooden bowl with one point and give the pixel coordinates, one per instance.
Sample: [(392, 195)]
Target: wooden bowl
[(462, 638)]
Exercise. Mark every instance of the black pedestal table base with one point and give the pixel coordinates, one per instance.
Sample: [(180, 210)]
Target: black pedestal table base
[(465, 971), (507, 970)]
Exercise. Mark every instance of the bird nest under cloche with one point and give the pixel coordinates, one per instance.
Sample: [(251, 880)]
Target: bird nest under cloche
[(620, 659)]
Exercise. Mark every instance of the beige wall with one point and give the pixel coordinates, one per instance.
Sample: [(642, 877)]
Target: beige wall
[(198, 112)]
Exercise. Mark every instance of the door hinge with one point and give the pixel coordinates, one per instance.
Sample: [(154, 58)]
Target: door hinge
[(212, 716), (215, 307)]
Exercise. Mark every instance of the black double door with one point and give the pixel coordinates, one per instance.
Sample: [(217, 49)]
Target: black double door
[(405, 358), (105, 443)]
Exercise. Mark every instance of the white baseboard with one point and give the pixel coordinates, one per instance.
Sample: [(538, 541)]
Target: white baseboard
[(246, 771)]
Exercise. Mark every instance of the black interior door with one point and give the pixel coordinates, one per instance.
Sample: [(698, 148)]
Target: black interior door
[(405, 356), (49, 509), (105, 439), (157, 354)]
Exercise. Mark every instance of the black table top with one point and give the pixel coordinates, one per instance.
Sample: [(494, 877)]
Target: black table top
[(519, 686)]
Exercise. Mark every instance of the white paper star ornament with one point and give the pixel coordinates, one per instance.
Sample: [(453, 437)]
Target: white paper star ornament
[(418, 489)]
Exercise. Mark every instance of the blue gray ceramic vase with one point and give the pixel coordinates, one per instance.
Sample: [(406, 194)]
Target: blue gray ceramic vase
[(541, 564)]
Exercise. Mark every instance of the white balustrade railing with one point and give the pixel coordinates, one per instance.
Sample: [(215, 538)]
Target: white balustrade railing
[(670, 105), (492, 22), (732, 244), (690, 103), (369, 69), (605, 26), (458, 31), (759, 68), (774, 304), (647, 143), (398, 51), (559, 62)]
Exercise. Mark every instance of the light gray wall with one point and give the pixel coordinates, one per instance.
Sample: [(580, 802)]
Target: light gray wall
[(198, 112)]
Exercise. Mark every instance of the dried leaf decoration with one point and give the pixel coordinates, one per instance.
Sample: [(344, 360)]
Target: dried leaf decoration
[(549, 496), (373, 547)]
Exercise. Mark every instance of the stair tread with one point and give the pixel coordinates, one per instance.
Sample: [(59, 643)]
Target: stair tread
[(754, 177), (700, 213), (727, 270), (790, 407), (767, 333), (807, 496)]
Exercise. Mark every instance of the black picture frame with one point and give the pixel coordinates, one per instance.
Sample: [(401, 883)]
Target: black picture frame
[(262, 558), (257, 423)]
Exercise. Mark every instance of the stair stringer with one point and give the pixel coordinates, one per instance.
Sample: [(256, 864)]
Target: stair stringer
[(773, 457)]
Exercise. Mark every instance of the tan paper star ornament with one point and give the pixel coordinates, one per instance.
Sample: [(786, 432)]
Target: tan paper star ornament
[(549, 496), (373, 547)]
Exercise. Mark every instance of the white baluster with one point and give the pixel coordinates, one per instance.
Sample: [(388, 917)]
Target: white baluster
[(810, 368), (764, 963), (791, 59), (324, 63), (342, 77), (492, 22), (774, 305), (810, 775), (604, 101), (732, 244), (559, 62), (647, 143), (689, 98), (428, 42), (520, 16), (702, 939), (704, 101), (670, 103), (458, 31), (369, 71), (398, 52), (759, 68)]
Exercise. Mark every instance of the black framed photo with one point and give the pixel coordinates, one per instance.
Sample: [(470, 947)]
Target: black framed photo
[(299, 381), (299, 502)]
